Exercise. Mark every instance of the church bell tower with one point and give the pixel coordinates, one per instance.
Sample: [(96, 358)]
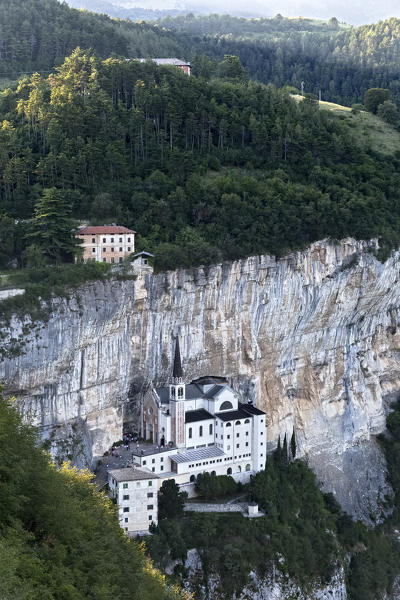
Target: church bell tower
[(177, 393)]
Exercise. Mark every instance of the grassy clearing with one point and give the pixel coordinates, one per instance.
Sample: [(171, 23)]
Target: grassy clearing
[(369, 129)]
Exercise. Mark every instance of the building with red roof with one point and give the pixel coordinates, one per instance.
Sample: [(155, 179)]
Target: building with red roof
[(106, 243)]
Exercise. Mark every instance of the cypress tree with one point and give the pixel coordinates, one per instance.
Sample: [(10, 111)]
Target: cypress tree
[(293, 445), (285, 450)]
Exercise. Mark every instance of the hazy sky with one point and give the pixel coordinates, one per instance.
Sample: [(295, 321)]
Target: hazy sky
[(353, 11)]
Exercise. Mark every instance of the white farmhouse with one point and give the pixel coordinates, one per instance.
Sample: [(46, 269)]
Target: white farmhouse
[(195, 428)]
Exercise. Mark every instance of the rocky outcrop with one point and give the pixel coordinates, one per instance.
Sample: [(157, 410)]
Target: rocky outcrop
[(273, 586), (312, 338)]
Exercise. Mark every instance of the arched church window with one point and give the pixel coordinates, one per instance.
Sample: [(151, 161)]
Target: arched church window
[(228, 425), (247, 467), (226, 405), (172, 392), (229, 471), (192, 478)]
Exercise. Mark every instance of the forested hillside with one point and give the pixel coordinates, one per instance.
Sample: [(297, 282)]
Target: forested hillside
[(35, 35), (203, 171), (342, 62), (59, 538)]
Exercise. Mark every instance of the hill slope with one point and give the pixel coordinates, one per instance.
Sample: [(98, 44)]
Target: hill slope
[(59, 538), (204, 171), (38, 34)]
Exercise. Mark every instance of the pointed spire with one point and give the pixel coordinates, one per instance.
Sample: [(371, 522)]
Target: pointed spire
[(177, 371)]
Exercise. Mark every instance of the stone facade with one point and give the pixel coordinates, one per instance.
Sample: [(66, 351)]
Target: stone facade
[(136, 493), (106, 243)]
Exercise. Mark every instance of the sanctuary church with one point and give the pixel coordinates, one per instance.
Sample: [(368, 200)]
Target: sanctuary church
[(196, 427)]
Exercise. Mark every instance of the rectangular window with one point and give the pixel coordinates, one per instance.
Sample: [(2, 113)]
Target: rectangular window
[(238, 434), (126, 519), (210, 430), (161, 468), (153, 469), (162, 459), (247, 443), (112, 259), (93, 240), (149, 507), (138, 484), (112, 249), (237, 445), (261, 432), (104, 250), (121, 249), (129, 248), (112, 240), (126, 509), (150, 495), (150, 483), (150, 518), (125, 486), (201, 430), (247, 433), (93, 249), (104, 260), (129, 239), (228, 437), (143, 462), (125, 497), (104, 240), (153, 460), (228, 449), (120, 259), (120, 240)]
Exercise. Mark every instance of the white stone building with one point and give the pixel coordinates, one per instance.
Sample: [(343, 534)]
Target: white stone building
[(136, 493), (195, 428)]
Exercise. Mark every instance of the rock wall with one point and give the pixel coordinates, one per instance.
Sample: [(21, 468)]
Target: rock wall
[(312, 338), (272, 587)]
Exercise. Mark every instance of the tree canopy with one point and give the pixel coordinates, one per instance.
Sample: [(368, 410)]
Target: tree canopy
[(60, 538), (203, 170)]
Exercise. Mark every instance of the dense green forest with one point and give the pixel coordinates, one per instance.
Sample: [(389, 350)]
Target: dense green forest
[(341, 62), (59, 538), (304, 533), (203, 170), (36, 35)]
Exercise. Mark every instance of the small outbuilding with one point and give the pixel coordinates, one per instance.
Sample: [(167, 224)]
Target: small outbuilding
[(141, 262)]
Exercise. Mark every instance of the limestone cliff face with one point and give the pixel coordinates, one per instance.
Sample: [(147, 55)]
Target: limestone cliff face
[(273, 586), (313, 338)]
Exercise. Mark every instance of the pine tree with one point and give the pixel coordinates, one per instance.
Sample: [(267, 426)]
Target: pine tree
[(52, 228)]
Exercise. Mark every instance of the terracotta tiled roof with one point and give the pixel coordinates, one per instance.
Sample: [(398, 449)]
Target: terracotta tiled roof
[(92, 230)]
